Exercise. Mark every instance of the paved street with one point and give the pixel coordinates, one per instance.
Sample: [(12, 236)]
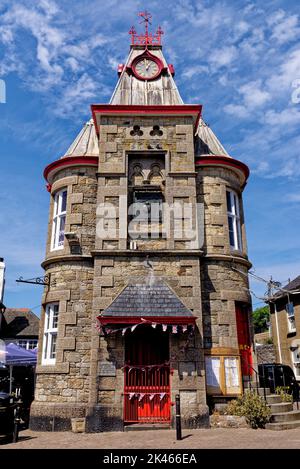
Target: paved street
[(195, 439)]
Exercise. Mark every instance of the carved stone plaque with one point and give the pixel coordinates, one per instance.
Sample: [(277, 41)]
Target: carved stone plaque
[(107, 369)]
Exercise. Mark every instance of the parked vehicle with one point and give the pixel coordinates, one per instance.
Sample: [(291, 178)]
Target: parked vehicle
[(8, 416), (274, 375)]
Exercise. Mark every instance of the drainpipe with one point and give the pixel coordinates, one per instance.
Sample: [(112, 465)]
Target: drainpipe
[(277, 333)]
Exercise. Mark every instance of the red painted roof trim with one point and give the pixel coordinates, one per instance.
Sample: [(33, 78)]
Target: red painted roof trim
[(179, 320), (122, 109), (223, 161), (70, 161)]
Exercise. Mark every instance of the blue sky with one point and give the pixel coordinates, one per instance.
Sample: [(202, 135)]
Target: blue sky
[(239, 59)]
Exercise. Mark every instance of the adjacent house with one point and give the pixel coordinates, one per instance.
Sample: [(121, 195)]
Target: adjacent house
[(285, 318), (20, 326)]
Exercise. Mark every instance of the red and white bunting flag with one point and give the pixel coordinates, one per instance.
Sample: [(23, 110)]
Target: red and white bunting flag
[(174, 329), (184, 328), (131, 395), (151, 397), (162, 395), (165, 327), (154, 325), (141, 397), (124, 330), (134, 327)]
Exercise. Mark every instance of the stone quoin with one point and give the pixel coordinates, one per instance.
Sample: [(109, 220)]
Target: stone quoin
[(128, 322)]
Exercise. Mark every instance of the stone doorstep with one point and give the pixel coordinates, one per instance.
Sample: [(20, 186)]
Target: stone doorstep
[(283, 425), (142, 427)]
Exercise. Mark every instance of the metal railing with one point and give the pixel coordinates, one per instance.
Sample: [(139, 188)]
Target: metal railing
[(262, 383)]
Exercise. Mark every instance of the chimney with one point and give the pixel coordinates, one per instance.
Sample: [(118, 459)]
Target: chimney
[(2, 278)]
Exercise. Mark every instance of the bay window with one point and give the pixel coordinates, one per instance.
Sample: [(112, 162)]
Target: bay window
[(59, 220), (234, 221), (50, 334)]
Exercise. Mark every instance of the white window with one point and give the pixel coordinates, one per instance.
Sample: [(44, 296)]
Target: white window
[(50, 333), (59, 219), (28, 344), (291, 317), (234, 222), (296, 362)]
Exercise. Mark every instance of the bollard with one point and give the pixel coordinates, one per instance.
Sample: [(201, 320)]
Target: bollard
[(178, 418)]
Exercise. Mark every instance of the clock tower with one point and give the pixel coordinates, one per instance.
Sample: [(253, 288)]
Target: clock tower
[(148, 292)]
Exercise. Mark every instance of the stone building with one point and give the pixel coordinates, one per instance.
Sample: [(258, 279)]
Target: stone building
[(146, 259), (285, 320)]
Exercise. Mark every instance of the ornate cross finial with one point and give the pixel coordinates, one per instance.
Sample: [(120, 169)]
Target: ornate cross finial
[(147, 38), (146, 18)]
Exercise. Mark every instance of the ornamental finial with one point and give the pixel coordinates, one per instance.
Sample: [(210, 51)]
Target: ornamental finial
[(147, 38)]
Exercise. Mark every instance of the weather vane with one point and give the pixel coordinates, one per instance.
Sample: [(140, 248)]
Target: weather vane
[(147, 38)]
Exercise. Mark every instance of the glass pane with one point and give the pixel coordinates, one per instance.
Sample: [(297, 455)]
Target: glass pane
[(47, 322), (54, 232), (231, 372), (229, 206), (61, 235), (292, 323), (64, 201), (45, 345), (53, 346), (236, 204), (212, 365), (55, 317), (231, 232)]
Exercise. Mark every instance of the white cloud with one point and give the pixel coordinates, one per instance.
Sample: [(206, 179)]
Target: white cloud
[(237, 110), (285, 27), (223, 57)]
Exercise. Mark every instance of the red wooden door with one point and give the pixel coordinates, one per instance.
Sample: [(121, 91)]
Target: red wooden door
[(147, 377), (244, 341)]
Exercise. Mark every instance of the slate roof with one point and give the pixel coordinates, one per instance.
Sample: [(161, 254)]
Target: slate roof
[(206, 142), (19, 322), (147, 300), (292, 286), (86, 142)]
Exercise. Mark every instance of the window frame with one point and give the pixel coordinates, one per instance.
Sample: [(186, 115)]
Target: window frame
[(234, 215), (290, 319), (50, 333), (27, 343), (223, 388), (58, 215)]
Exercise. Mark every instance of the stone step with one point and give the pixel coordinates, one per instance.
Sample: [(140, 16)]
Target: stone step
[(283, 425), (285, 417), (281, 407), (273, 399), (260, 391), (138, 427)]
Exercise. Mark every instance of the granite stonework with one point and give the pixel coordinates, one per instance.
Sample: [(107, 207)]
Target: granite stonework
[(87, 379)]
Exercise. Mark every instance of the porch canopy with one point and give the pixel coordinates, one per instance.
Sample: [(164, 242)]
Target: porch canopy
[(143, 303)]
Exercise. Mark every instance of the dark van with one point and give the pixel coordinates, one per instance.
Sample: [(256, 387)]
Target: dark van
[(273, 375)]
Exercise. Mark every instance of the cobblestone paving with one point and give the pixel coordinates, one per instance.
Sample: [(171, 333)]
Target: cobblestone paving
[(196, 439)]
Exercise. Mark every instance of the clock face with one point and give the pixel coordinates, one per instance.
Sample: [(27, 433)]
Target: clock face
[(146, 68)]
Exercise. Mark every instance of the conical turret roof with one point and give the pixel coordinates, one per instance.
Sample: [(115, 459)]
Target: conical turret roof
[(86, 142), (206, 142)]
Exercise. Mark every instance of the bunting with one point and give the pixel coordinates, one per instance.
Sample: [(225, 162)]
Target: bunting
[(140, 395), (174, 329)]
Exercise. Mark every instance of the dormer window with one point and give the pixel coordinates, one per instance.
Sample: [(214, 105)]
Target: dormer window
[(59, 220), (234, 221)]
